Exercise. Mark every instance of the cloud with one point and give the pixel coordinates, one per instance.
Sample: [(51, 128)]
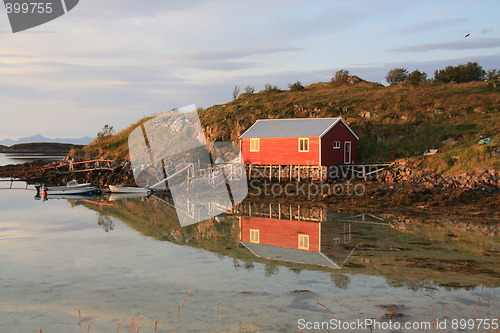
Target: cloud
[(480, 43), (238, 52), (114, 9), (231, 58), (431, 25), (485, 31)]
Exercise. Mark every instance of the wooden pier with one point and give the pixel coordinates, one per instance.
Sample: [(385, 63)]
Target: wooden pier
[(281, 211), (63, 168), (289, 173)]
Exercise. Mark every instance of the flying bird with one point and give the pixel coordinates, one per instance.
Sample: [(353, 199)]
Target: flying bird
[(467, 35)]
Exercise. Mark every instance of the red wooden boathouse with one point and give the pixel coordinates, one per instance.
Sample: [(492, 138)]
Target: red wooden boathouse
[(299, 141)]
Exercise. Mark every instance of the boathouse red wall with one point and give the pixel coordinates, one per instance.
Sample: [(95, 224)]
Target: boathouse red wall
[(285, 151), (281, 151), (282, 233), (334, 156)]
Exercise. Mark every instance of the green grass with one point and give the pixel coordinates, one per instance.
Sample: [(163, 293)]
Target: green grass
[(408, 120), (113, 147)]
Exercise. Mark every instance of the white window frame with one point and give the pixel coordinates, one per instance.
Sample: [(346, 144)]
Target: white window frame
[(253, 142), (303, 242), (301, 150), (254, 236), (336, 144)]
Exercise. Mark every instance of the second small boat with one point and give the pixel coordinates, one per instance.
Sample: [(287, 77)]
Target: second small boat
[(127, 189)]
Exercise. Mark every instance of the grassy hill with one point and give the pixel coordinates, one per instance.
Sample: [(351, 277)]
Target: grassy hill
[(399, 120)]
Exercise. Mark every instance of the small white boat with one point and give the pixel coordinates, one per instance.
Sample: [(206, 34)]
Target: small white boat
[(126, 189), (72, 188), (70, 185), (71, 191), (122, 196), (73, 197)]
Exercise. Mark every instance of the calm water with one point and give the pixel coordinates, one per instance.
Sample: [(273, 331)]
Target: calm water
[(113, 258), (6, 159)]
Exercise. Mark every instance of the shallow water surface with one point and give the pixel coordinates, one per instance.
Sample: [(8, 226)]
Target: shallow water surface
[(16, 158), (114, 258)]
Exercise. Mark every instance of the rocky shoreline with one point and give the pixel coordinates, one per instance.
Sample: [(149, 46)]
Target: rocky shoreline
[(401, 188), (402, 172), (121, 174)]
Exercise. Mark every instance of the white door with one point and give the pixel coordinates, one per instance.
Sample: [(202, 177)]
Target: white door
[(347, 152)]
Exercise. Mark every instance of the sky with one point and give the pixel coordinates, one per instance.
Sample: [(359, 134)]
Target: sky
[(116, 61)]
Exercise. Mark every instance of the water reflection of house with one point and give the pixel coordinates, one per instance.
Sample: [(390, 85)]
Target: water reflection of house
[(297, 234)]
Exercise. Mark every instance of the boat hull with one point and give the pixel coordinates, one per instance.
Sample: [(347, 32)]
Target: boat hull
[(125, 189), (72, 191)]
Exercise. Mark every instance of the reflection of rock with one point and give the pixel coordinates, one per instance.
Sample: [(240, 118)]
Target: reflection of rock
[(340, 280), (105, 222)]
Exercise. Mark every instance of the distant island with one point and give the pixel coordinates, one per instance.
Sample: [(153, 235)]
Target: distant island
[(37, 138), (40, 148)]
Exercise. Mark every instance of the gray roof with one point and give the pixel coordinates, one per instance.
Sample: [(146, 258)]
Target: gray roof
[(293, 255), (290, 128)]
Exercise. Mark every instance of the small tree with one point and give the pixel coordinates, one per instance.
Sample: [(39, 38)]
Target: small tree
[(492, 74), (249, 90), (340, 78), (396, 75), (236, 92), (297, 86), (461, 73), (416, 77), (269, 88), (106, 131)]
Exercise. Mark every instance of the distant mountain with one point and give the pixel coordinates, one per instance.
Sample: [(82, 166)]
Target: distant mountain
[(40, 138)]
